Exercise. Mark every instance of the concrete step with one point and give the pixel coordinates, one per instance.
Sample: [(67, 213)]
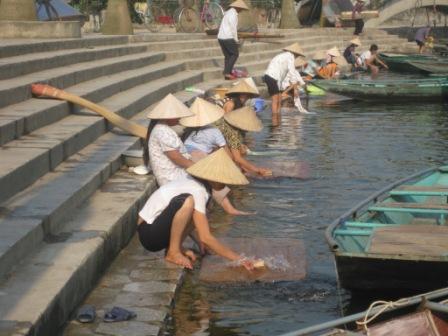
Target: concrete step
[(46, 287), (23, 118), (21, 65), (16, 90), (42, 150)]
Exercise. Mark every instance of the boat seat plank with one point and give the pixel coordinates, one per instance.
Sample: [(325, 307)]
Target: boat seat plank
[(421, 190), (410, 240), (365, 224), (424, 208)]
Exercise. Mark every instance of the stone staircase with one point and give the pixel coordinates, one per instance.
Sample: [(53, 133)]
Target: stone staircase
[(68, 206)]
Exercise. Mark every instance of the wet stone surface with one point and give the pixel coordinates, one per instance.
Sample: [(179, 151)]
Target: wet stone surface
[(139, 281)]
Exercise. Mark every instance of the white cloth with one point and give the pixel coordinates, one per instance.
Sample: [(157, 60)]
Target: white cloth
[(228, 28), (160, 199), (164, 139), (281, 66), (206, 140), (364, 57)]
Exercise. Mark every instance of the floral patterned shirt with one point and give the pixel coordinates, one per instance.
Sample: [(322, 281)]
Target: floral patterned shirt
[(233, 136)]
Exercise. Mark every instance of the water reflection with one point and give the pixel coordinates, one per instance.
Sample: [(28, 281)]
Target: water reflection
[(353, 149)]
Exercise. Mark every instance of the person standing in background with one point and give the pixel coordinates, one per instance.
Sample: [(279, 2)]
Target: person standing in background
[(356, 15), (228, 37), (421, 36)]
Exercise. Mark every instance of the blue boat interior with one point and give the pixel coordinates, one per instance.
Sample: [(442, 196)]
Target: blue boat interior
[(415, 203)]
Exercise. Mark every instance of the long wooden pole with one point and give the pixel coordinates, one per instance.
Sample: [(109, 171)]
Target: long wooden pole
[(258, 35), (43, 90)]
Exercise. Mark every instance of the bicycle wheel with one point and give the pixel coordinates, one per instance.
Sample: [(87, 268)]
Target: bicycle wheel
[(213, 15), (151, 18), (189, 21)]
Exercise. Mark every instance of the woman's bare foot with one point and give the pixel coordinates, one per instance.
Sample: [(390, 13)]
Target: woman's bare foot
[(179, 259), (191, 255)]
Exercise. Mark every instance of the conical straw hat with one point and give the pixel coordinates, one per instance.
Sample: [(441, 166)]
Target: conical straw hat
[(218, 167), (243, 87), (251, 83), (245, 119), (320, 55), (239, 4), (356, 41), (340, 60), (169, 108), (334, 52), (299, 61), (295, 49), (205, 113)]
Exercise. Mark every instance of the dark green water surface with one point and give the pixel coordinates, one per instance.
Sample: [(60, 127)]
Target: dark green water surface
[(353, 149)]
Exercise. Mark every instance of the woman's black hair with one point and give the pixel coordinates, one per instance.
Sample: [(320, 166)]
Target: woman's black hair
[(188, 131), (151, 125)]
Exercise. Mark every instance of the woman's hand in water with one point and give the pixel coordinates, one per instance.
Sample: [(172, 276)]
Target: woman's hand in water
[(247, 264), (264, 172)]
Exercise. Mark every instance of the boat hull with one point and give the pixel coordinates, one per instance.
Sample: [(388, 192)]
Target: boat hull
[(368, 273)]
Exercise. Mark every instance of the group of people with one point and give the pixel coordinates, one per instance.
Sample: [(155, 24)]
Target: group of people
[(194, 168), (368, 60)]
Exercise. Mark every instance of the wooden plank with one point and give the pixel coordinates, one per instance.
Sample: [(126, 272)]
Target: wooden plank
[(408, 205), (366, 224), (410, 240), (285, 260), (415, 324)]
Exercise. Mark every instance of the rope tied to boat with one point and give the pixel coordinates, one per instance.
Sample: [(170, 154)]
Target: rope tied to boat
[(383, 307)]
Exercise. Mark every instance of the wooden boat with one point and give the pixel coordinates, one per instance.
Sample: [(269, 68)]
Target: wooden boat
[(397, 238), (390, 90), (400, 62), (419, 315), (431, 66)]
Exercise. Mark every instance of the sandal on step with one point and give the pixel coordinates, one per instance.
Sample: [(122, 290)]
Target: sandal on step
[(86, 314), (117, 314)]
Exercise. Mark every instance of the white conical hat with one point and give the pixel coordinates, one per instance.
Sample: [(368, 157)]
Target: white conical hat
[(356, 41), (169, 108), (295, 49), (245, 119), (205, 113), (340, 61), (251, 83), (334, 52), (299, 61), (243, 87), (320, 55), (218, 167), (239, 4)]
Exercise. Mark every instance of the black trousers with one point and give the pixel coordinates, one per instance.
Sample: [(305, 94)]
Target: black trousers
[(230, 50), (359, 25)]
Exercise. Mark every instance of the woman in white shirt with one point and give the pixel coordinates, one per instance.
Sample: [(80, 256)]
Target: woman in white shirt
[(201, 138), (228, 36), (165, 219), (281, 66), (163, 149)]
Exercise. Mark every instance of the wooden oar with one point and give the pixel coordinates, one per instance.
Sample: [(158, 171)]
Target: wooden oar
[(258, 35), (43, 90)]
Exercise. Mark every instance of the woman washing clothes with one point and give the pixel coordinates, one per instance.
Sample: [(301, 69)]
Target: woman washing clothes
[(179, 207), (232, 127), (278, 69), (330, 70), (201, 138), (164, 150), (238, 95), (315, 64)]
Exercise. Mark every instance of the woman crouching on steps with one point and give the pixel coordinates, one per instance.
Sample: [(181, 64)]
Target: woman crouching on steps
[(178, 208), (238, 95)]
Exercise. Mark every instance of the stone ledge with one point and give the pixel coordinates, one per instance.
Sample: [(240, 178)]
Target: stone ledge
[(40, 30)]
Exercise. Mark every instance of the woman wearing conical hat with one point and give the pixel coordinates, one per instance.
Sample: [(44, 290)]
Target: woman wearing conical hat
[(315, 64), (281, 66), (330, 70), (179, 207), (201, 138), (238, 95), (163, 149), (349, 52), (233, 126), (228, 36)]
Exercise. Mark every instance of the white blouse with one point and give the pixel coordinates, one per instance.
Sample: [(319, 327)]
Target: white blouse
[(162, 197), (163, 139), (229, 25), (281, 66)]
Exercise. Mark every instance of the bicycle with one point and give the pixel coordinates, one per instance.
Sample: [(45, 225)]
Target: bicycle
[(153, 16), (188, 19), (211, 14)]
